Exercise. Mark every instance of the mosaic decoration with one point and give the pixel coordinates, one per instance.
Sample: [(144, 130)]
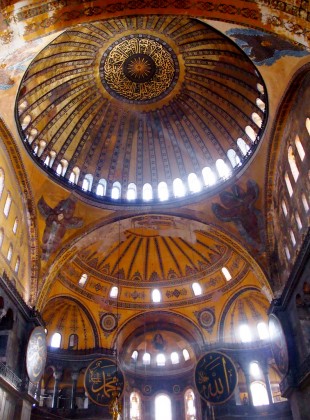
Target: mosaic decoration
[(103, 379), (206, 319), (36, 354), (278, 344), (238, 207), (176, 293), (108, 322), (215, 377), (57, 221), (264, 48), (139, 68)]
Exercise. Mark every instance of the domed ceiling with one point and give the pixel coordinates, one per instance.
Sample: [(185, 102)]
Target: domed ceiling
[(114, 108)]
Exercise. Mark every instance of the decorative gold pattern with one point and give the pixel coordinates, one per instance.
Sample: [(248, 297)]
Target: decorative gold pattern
[(139, 68)]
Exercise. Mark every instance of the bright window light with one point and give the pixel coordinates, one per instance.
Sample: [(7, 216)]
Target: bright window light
[(178, 188), (244, 148), (134, 355), (245, 333), (132, 191), (196, 289), (156, 296), (163, 193), (259, 394), (160, 359), (193, 183), (255, 370), (174, 358), (114, 292), (226, 274), (83, 279), (56, 340), (163, 407), (146, 359), (263, 331), (186, 354), (147, 192), (209, 177), (222, 169)]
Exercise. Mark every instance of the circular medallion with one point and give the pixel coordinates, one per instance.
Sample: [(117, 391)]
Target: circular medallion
[(278, 344), (36, 354), (139, 69), (103, 379), (108, 322), (215, 377), (206, 319)]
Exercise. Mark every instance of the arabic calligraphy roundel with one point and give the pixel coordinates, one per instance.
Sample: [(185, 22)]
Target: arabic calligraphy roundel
[(215, 377), (36, 354), (102, 379)]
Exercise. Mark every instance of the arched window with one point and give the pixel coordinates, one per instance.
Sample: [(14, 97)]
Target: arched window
[(132, 191), (147, 192), (292, 163), (174, 358), (15, 226), (10, 252), (257, 119), (226, 273), (308, 125), (208, 175), (74, 176), (83, 280), (298, 220), (259, 393), (7, 205), (146, 359), (196, 289), (233, 158), (116, 191), (293, 239), (1, 181), (114, 292), (262, 330), (243, 146), (300, 148), (260, 88), (222, 169), (42, 146), (56, 340), (1, 237), (32, 135), (135, 406), (305, 202), (186, 354), (190, 408), (59, 169), (134, 355), (178, 188), (26, 121), (284, 208), (53, 156), (156, 296), (17, 264), (255, 369), (47, 160), (101, 187), (245, 333), (288, 184), (64, 166), (160, 359), (87, 182), (287, 253), (163, 407), (193, 183), (73, 342), (250, 133), (261, 105), (163, 193)]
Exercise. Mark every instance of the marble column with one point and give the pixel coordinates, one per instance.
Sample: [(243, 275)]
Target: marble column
[(57, 376), (248, 386), (74, 377), (265, 369)]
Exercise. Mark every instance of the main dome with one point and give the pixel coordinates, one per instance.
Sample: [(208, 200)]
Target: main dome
[(141, 109)]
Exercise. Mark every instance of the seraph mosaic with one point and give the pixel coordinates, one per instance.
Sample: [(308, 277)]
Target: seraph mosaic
[(264, 48)]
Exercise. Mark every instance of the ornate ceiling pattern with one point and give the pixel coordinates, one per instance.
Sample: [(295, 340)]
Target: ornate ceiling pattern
[(139, 100)]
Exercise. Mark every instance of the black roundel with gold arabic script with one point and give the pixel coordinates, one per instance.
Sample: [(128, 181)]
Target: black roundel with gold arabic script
[(36, 354), (215, 377), (103, 381)]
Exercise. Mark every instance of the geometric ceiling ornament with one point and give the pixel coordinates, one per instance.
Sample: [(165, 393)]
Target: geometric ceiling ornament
[(138, 101), (216, 377)]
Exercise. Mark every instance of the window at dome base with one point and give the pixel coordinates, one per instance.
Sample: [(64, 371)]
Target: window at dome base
[(167, 136)]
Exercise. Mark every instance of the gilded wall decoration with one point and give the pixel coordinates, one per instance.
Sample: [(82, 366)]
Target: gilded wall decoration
[(57, 221), (176, 293), (206, 318), (108, 323), (238, 207)]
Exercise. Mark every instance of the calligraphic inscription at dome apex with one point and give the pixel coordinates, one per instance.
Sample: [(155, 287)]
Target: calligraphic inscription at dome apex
[(139, 69)]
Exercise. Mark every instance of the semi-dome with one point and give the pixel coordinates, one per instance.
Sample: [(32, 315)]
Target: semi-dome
[(141, 109)]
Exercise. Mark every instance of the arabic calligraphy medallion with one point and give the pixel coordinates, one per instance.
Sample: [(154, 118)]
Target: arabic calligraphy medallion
[(215, 377), (278, 344), (36, 354), (139, 69), (102, 380)]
